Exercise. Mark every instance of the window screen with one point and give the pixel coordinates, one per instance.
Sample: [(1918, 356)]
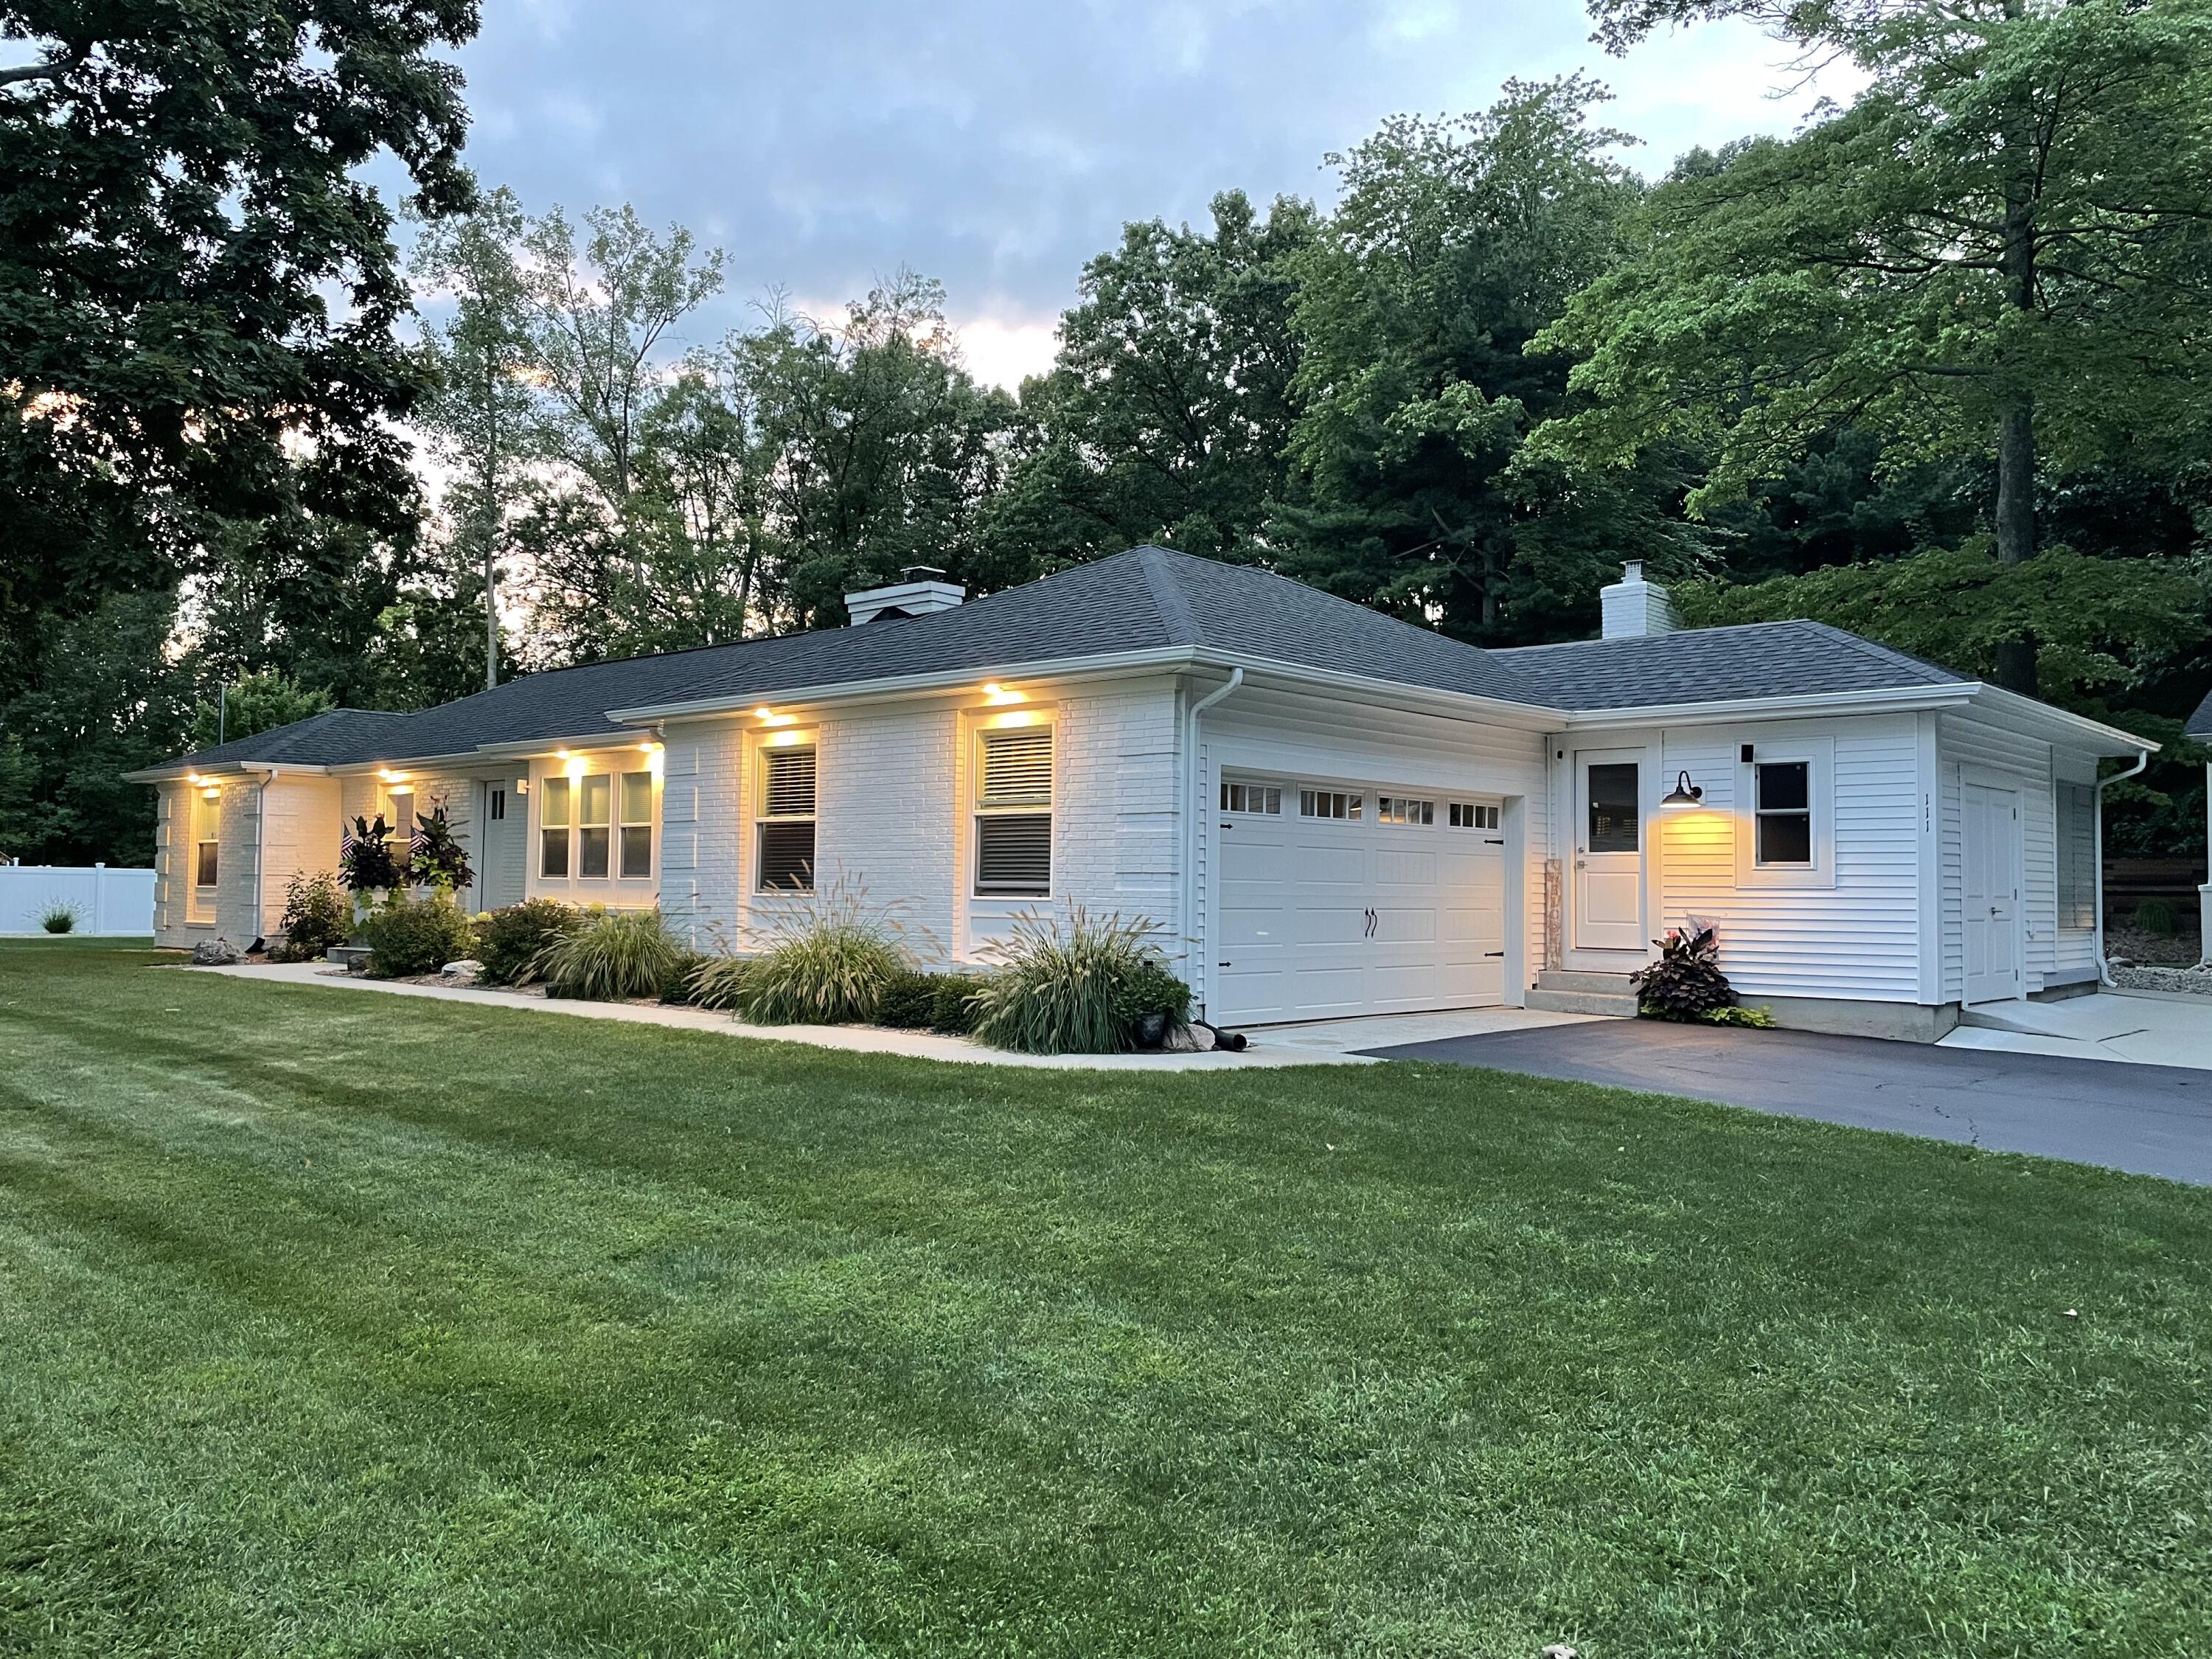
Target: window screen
[(1785, 812), (1017, 768), (1013, 847), (636, 809), (1014, 854), (1614, 816), (594, 811), (786, 861), (2077, 856), (553, 802)]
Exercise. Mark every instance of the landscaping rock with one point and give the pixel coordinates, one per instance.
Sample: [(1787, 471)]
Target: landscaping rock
[(466, 971), (2189, 981), (214, 953)]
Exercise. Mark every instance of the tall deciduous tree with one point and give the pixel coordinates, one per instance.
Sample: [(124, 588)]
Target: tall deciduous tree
[(197, 288), (1169, 405), (479, 417), (2004, 248), (1455, 243)]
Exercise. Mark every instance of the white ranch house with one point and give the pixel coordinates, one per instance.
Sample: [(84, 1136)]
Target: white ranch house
[(1328, 812)]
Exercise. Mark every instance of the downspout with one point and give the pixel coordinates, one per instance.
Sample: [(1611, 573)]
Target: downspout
[(1190, 794), (2105, 969), (260, 850)]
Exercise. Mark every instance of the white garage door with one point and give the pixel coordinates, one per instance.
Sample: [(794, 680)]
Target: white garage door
[(1333, 901)]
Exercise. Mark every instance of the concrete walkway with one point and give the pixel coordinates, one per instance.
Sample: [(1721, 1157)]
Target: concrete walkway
[(1333, 1042), (2149, 1119), (2144, 1027)]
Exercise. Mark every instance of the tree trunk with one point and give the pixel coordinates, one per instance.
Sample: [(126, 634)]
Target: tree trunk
[(2016, 525), (2015, 514)]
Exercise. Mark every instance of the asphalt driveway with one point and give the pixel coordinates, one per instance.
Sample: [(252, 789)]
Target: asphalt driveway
[(2151, 1119)]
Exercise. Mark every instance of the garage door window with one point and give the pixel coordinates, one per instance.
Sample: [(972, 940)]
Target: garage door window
[(1258, 798), (1328, 804), (1473, 815), (1398, 809)]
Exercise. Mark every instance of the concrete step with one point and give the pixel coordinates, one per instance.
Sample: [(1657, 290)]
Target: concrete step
[(1577, 979), (1620, 1005), (347, 955)]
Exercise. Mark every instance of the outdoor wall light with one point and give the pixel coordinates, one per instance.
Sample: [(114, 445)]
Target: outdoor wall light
[(1684, 796)]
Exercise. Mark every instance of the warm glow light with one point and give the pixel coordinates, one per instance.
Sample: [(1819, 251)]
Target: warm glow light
[(991, 687), (764, 712), (560, 754), (211, 792), (1024, 717), (390, 776), (658, 762), (650, 748), (575, 764)]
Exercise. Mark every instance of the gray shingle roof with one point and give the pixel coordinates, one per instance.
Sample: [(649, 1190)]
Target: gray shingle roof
[(333, 738), (1716, 665), (2200, 723), (1149, 598)]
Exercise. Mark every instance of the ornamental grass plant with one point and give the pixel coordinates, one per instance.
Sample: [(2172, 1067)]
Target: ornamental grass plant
[(1064, 983), (610, 955)]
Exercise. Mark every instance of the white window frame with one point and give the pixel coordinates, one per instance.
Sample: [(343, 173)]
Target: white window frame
[(1473, 815), (624, 824), (203, 827), (793, 743), (982, 809), (1817, 757), (570, 797), (1251, 798), (1405, 812), (2089, 877)]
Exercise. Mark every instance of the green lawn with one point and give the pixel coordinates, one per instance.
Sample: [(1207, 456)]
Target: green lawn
[(338, 1323)]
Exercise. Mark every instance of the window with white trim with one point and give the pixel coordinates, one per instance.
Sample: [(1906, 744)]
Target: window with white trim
[(1400, 809), (2076, 805), (1262, 799), (1783, 808), (634, 813), (1013, 812), (594, 820), (785, 838), (1330, 803), (206, 825), (553, 804), (1473, 815)]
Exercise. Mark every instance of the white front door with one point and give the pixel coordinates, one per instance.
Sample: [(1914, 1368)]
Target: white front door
[(1608, 857), (1992, 886), (1323, 909)]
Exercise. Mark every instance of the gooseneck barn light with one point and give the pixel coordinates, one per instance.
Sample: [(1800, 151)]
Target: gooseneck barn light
[(1684, 795)]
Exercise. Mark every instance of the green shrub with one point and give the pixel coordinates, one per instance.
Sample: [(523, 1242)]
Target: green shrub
[(952, 1011), (410, 936), (1686, 982), (1153, 988), (317, 915), (828, 961), (1062, 981), (508, 941), (716, 981), (58, 917), (2156, 916), (676, 986), (610, 955), (909, 1002), (1756, 1019)]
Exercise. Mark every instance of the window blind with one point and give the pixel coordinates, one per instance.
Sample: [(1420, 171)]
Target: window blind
[(1017, 767), (790, 789)]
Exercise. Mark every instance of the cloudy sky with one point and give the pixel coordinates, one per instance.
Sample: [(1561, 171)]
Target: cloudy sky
[(996, 144)]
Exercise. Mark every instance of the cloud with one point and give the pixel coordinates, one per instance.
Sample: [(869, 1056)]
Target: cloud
[(996, 144)]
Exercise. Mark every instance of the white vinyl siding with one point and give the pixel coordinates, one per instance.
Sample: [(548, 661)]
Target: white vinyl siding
[(1789, 935), (1967, 740)]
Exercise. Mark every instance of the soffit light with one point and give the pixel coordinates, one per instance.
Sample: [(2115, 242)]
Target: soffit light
[(1684, 796)]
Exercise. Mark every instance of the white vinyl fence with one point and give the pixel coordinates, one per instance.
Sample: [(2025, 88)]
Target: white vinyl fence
[(104, 900)]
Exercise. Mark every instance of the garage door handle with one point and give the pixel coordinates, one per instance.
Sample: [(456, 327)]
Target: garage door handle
[(1493, 953)]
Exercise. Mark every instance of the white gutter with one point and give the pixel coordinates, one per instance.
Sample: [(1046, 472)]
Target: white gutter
[(1191, 803), (2097, 863), (1826, 702)]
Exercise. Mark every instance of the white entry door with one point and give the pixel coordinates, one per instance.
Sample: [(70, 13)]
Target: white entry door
[(1341, 901), (1608, 857), (1992, 886)]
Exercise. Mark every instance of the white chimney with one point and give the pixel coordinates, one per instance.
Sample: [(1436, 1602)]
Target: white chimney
[(923, 590), (1633, 607)]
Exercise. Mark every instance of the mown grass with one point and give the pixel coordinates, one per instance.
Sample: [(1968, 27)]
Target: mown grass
[(334, 1323)]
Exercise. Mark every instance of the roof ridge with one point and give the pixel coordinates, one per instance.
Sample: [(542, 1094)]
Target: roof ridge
[(1173, 604)]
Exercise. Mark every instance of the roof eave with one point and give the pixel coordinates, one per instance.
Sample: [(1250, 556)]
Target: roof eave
[(1720, 710), (1111, 664)]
